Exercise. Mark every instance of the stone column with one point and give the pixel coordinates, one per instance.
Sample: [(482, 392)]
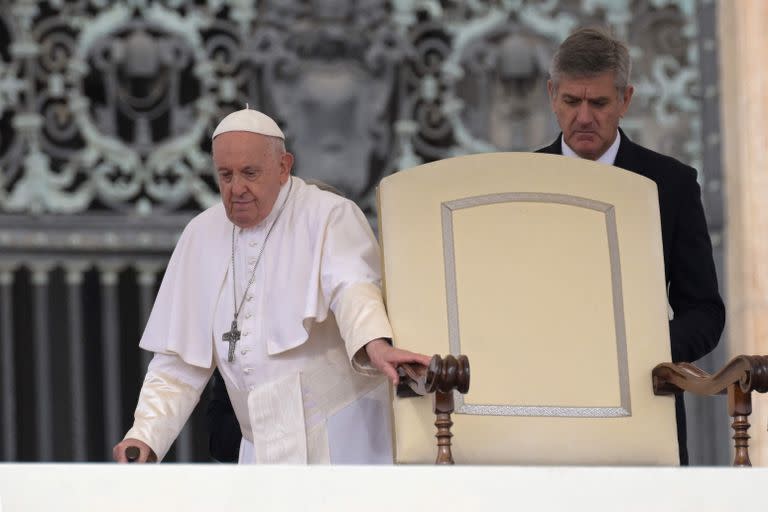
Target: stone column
[(110, 318), (77, 372), (42, 353), (146, 277), (744, 77), (7, 365)]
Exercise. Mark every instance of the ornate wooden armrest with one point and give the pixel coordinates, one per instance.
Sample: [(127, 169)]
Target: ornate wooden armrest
[(737, 379), (441, 377)]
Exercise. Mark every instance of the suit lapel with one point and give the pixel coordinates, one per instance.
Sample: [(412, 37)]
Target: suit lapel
[(628, 158), (553, 149)]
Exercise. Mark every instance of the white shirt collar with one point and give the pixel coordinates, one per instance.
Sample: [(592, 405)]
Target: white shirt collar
[(609, 157)]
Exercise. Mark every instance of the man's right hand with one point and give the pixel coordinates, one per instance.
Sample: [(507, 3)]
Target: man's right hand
[(145, 452)]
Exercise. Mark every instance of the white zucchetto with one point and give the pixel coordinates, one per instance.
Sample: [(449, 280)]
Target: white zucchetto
[(249, 120)]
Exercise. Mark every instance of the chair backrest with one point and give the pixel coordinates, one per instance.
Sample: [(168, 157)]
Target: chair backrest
[(547, 272)]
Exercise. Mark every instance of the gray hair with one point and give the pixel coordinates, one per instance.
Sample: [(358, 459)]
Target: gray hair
[(277, 145), (588, 52)]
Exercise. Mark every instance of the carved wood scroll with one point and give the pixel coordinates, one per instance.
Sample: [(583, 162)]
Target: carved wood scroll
[(441, 377), (742, 375)]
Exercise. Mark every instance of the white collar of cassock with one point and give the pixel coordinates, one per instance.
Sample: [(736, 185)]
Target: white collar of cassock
[(264, 224), (609, 157)]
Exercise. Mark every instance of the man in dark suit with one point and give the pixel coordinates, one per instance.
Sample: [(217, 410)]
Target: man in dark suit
[(589, 92)]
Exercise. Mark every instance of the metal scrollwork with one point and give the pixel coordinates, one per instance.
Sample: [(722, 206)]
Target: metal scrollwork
[(108, 106)]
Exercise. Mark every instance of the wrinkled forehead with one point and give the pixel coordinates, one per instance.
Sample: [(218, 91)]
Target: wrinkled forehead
[(588, 86)]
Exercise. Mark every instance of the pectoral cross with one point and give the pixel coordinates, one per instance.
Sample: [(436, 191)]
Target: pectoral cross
[(231, 337)]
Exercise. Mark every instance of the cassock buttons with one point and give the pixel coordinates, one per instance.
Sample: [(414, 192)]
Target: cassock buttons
[(254, 243)]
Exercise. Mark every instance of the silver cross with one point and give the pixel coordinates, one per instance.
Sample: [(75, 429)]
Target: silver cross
[(231, 337)]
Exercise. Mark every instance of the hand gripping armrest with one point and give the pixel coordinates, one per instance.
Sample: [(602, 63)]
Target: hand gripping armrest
[(441, 377)]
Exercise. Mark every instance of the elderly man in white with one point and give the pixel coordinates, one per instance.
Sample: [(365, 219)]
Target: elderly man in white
[(279, 287)]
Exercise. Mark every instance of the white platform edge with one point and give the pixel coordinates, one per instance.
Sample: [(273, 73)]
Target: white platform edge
[(203, 487)]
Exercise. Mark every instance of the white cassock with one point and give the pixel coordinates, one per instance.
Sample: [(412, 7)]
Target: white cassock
[(314, 303)]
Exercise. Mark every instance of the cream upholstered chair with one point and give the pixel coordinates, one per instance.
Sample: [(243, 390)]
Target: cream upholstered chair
[(548, 274)]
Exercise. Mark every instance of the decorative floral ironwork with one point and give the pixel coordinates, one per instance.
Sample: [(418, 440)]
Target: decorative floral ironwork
[(108, 106)]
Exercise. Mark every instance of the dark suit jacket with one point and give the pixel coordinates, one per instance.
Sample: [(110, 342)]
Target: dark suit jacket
[(699, 313)]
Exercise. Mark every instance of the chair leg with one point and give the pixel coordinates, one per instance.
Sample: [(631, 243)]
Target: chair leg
[(443, 422), (739, 408)]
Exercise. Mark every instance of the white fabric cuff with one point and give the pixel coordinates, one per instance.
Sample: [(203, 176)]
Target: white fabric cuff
[(164, 406), (361, 317)]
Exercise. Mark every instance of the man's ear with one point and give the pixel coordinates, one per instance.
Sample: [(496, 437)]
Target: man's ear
[(551, 93), (627, 98), (286, 164)]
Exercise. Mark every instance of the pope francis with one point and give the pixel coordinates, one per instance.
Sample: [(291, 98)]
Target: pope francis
[(279, 287)]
